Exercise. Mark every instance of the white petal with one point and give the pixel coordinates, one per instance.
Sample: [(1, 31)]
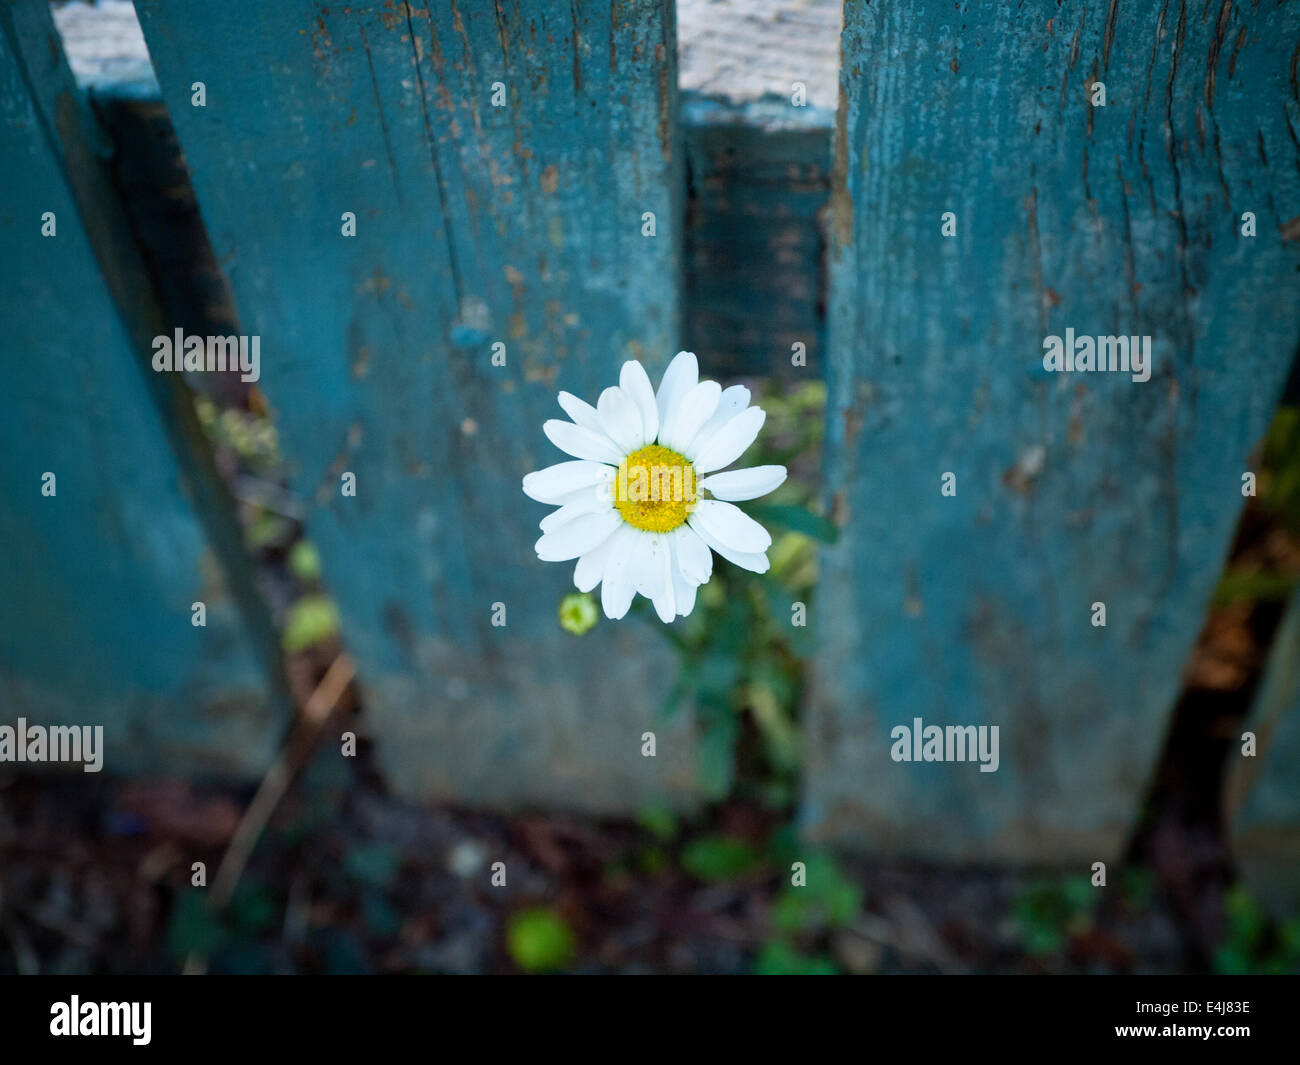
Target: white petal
[(663, 598), (601, 493), (582, 412), (616, 591), (577, 537), (554, 483), (590, 503), (751, 560), (665, 605), (727, 524), (729, 442), (744, 484), (756, 561), (591, 566), (684, 596), (620, 419), (680, 377), (683, 588), (633, 380), (651, 566), (691, 412), (734, 400), (582, 443), (692, 554)]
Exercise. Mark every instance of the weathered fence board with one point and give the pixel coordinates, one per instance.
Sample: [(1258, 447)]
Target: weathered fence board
[(1261, 797), (1071, 488), (476, 224), (99, 577)]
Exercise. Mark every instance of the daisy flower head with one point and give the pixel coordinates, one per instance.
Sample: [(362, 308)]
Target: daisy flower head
[(643, 504)]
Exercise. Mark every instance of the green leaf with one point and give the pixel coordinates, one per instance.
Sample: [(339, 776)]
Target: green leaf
[(715, 752), (827, 900), (193, 928), (780, 959), (311, 619), (1048, 911), (716, 676), (304, 560), (653, 860), (659, 821), (680, 687), (719, 858), (1252, 586), (780, 734), (267, 529), (539, 941)]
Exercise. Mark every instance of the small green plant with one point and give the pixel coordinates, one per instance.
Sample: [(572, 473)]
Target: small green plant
[(743, 650), (1279, 487), (578, 613), (817, 899), (719, 858), (659, 821), (1278, 490), (1049, 913), (539, 941), (311, 620), (231, 939), (780, 959), (304, 561), (249, 434), (1253, 943), (827, 899)]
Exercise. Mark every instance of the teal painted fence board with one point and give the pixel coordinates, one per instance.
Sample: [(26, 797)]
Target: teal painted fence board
[(475, 225), (1071, 488), (98, 579), (1262, 805)]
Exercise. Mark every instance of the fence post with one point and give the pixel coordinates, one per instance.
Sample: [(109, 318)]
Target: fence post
[(1001, 176), (436, 218), (114, 523)]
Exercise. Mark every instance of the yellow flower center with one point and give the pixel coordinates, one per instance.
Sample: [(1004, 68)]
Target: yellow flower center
[(655, 489)]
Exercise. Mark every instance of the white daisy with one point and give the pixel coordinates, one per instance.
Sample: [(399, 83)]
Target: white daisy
[(643, 501)]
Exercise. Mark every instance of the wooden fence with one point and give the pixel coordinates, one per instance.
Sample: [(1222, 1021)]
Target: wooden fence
[(395, 194)]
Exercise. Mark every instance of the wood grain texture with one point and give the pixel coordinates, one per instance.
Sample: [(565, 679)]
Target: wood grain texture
[(98, 580), (1261, 797), (1072, 488), (475, 224), (758, 169)]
